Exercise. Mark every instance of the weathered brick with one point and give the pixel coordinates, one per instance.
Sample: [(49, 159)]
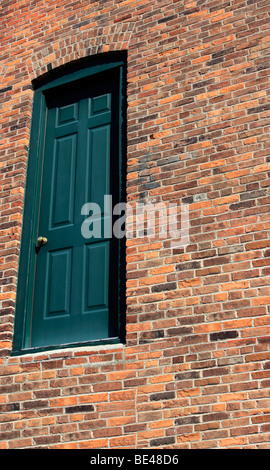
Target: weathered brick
[(79, 409), (222, 335)]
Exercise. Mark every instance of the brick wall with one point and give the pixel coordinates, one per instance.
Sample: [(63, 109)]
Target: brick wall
[(195, 369)]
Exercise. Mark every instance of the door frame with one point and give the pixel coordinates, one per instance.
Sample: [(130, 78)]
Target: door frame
[(27, 260)]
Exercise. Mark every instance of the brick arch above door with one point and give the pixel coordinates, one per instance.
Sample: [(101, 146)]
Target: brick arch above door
[(71, 48)]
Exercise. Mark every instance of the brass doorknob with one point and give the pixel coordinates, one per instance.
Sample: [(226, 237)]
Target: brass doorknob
[(42, 241)]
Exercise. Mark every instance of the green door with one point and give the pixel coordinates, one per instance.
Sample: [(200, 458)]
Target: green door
[(75, 288)]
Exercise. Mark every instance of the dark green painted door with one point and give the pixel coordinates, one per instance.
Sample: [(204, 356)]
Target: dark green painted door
[(74, 294)]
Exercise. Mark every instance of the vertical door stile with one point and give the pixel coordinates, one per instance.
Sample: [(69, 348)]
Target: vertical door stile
[(81, 175)]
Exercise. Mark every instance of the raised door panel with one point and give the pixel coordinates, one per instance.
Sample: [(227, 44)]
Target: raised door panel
[(96, 276), (58, 283)]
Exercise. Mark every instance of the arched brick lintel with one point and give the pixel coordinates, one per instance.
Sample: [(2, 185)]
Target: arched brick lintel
[(72, 48)]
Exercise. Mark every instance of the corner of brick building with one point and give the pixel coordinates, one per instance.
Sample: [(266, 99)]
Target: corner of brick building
[(194, 371)]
